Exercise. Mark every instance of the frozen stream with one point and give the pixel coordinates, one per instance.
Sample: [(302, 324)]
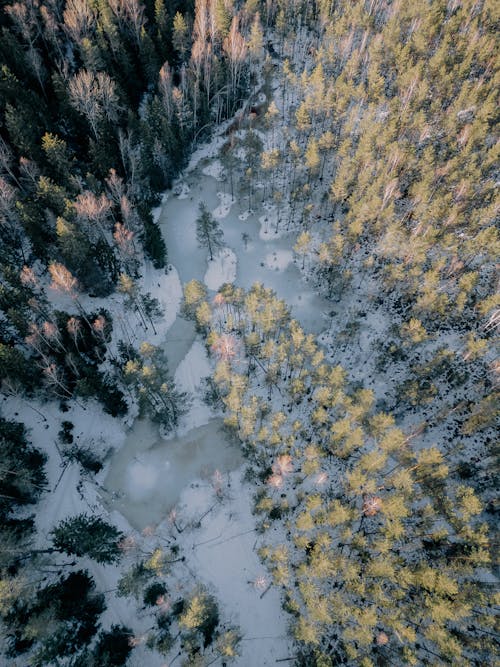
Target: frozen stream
[(146, 476)]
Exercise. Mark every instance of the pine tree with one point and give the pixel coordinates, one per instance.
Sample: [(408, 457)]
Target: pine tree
[(83, 535), (180, 36), (208, 232)]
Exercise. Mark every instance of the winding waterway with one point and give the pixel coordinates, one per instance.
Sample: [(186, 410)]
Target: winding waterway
[(146, 476)]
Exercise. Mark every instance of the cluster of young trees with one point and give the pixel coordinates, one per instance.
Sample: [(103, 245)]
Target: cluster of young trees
[(184, 618), (383, 150), (386, 544), (147, 372), (395, 129), (386, 157)]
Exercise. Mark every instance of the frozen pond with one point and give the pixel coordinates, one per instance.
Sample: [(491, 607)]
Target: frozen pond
[(147, 475)]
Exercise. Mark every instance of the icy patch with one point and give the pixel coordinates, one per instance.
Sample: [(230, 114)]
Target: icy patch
[(241, 153), (147, 476), (279, 260), (246, 214), (188, 377), (141, 480), (226, 201), (222, 269), (193, 368), (156, 212), (214, 169), (167, 288)]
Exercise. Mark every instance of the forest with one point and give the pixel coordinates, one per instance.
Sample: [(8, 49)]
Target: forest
[(249, 316)]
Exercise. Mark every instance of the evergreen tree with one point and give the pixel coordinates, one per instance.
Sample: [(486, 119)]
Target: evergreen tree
[(208, 231), (88, 536), (59, 620)]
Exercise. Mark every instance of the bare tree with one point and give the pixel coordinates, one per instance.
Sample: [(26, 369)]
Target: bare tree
[(124, 239), (165, 88), (6, 160), (64, 281), (79, 19), (116, 186), (25, 17), (52, 21), (235, 49), (93, 211), (54, 378), (9, 220), (130, 15), (94, 96), (130, 154)]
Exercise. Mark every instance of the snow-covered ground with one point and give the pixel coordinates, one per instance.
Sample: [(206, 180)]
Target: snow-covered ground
[(222, 269), (223, 553)]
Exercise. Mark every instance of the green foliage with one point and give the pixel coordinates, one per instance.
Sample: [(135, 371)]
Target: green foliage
[(208, 231), (153, 593), (134, 581), (84, 535), (200, 615), (154, 245), (365, 544), (147, 372), (59, 620), (113, 647), (22, 480), (22, 475)]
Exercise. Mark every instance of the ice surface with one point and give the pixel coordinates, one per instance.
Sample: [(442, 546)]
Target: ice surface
[(279, 260), (222, 269), (255, 255), (146, 477)]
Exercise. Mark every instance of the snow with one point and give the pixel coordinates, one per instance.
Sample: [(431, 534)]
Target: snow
[(147, 476), (245, 215), (269, 229), (181, 190), (222, 269), (167, 288), (214, 169), (223, 553), (141, 479), (193, 368), (190, 372), (226, 201), (279, 260)]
